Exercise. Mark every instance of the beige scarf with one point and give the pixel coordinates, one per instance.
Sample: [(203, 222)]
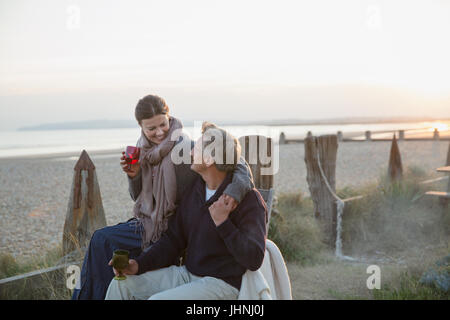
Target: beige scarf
[(156, 202)]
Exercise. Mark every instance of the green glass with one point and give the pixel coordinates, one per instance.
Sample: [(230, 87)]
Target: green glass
[(120, 262)]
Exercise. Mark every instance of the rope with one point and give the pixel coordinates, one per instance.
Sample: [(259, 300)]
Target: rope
[(340, 209)]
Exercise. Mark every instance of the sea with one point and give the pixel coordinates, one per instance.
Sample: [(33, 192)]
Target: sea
[(48, 142)]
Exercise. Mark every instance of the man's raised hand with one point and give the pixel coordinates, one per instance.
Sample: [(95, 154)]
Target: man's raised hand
[(221, 209)]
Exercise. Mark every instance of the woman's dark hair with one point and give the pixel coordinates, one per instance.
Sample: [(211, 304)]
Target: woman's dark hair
[(150, 106)]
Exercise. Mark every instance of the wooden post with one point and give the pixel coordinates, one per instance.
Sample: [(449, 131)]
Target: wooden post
[(448, 156), (282, 138), (85, 212), (309, 134), (324, 203), (436, 134), (448, 184), (340, 137), (368, 136), (395, 169), (258, 151)]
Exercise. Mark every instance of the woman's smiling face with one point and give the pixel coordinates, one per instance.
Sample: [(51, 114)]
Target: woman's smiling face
[(156, 128)]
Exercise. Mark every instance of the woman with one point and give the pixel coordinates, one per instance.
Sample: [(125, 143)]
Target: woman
[(156, 184)]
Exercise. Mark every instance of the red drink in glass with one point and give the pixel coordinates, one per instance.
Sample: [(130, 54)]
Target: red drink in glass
[(132, 155)]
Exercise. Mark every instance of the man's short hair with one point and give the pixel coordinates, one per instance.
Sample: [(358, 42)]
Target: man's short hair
[(224, 147)]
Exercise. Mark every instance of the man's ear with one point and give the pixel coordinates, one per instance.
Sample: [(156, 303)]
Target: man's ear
[(208, 160)]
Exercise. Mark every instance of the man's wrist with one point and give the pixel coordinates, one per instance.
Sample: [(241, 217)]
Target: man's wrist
[(218, 222), (218, 219)]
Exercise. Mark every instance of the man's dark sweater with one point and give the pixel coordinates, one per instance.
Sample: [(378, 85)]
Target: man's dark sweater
[(225, 251)]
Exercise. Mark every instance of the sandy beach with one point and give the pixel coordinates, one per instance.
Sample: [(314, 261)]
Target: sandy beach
[(35, 190)]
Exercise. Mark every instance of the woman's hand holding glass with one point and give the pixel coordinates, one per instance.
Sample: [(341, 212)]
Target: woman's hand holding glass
[(131, 170)]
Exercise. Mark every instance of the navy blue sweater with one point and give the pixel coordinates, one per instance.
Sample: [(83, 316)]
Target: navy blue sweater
[(225, 251)]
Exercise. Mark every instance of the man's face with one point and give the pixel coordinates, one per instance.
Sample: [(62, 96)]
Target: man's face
[(198, 165)]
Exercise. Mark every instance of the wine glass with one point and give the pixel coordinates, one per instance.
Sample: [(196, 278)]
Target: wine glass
[(120, 262), (132, 155)]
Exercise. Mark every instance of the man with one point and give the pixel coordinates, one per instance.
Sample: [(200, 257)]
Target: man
[(221, 243)]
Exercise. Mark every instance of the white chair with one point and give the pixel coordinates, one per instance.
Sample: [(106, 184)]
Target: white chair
[(270, 281)]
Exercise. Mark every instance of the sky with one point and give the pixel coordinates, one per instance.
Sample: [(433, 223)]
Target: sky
[(69, 60)]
